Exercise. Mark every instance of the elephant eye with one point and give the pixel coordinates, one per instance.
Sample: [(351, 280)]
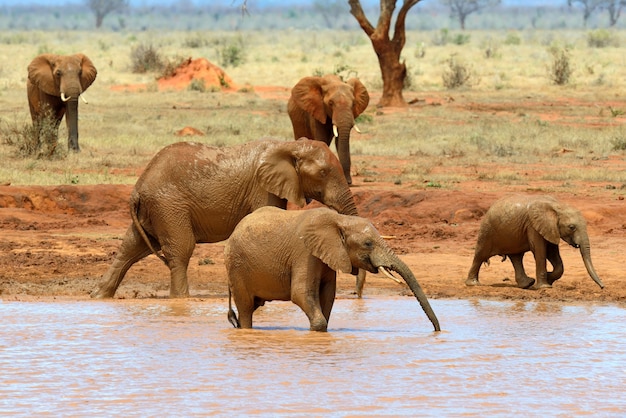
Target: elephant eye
[(369, 244), (572, 227), (323, 173), (58, 73)]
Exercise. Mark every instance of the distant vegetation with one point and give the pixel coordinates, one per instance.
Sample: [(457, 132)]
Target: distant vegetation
[(427, 15)]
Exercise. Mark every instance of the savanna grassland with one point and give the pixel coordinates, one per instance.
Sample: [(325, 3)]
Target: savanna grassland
[(425, 173)]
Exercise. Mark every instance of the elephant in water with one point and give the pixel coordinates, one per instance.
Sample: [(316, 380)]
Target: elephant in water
[(517, 224), (55, 82), (275, 254), (193, 193), (324, 108)]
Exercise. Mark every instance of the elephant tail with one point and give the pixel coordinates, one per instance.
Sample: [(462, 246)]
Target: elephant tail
[(134, 209), (232, 316)]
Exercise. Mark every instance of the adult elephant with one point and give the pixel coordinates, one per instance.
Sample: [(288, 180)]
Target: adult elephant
[(275, 254), (193, 193), (517, 224), (55, 82), (324, 108)]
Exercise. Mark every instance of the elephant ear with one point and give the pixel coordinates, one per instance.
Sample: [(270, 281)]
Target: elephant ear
[(278, 172), (89, 72), (308, 95), (324, 237), (544, 218), (361, 96), (40, 74)]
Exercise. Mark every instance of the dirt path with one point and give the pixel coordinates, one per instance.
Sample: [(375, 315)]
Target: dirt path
[(58, 241)]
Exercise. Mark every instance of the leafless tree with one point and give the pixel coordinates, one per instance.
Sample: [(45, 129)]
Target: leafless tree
[(101, 8), (589, 6), (388, 49), (614, 8), (461, 9)]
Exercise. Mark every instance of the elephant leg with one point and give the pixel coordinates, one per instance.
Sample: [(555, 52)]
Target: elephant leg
[(360, 282), (522, 280), (557, 263), (245, 306), (308, 299), (540, 265), (133, 249), (472, 276), (328, 288), (178, 252)]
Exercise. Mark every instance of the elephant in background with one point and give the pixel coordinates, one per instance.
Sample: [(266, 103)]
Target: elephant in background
[(275, 254), (55, 82), (323, 108), (517, 224), (193, 193)]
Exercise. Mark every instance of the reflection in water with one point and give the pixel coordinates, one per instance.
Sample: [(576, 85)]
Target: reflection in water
[(380, 357)]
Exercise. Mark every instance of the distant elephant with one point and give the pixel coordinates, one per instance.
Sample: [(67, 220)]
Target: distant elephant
[(275, 254), (54, 84), (324, 108), (519, 223), (193, 193)]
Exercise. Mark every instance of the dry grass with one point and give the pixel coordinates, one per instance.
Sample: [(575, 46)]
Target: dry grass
[(121, 131)]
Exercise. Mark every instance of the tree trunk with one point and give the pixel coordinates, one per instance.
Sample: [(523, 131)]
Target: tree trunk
[(393, 73)]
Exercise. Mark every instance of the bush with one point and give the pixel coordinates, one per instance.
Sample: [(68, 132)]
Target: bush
[(232, 54), (560, 71), (31, 140), (457, 74), (601, 38), (146, 58)]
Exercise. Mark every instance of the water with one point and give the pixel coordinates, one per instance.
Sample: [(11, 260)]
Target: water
[(380, 357)]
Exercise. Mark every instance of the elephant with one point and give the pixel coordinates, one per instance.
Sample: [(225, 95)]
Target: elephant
[(323, 108), (194, 193), (55, 82), (516, 224), (274, 254)]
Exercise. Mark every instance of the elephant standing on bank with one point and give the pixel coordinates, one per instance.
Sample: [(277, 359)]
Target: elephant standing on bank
[(324, 108), (55, 82), (193, 193), (517, 224), (275, 254)]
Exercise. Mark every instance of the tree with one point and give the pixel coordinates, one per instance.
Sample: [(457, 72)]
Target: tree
[(614, 7), (460, 9), (101, 8), (387, 49), (589, 6)]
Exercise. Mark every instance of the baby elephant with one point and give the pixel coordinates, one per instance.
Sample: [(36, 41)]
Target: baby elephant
[(275, 254), (517, 224)]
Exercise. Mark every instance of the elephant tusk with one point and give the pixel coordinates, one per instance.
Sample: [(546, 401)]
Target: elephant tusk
[(83, 99), (388, 274), (64, 98), (356, 128), (388, 236), (335, 132)]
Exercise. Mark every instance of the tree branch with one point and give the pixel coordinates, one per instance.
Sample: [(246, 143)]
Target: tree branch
[(357, 11)]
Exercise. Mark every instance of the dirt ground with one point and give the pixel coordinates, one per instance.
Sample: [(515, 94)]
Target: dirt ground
[(58, 241)]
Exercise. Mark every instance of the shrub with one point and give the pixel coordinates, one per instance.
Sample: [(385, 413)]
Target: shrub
[(512, 38), (232, 54), (560, 71), (31, 140), (144, 58), (460, 39), (457, 74), (601, 38)]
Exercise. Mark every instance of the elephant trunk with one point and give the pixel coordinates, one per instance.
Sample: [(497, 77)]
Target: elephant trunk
[(71, 117), (343, 203), (342, 125), (401, 268), (585, 252)]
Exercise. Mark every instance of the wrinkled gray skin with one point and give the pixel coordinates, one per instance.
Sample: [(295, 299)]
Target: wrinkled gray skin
[(318, 103), (51, 76), (517, 224), (275, 254), (193, 193)]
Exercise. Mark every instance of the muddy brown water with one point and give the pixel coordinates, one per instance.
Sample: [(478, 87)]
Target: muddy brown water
[(380, 357)]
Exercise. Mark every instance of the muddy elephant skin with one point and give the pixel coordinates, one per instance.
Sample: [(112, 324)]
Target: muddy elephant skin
[(193, 193), (55, 82), (517, 224), (275, 254)]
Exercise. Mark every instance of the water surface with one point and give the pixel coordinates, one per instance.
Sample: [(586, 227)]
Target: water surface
[(380, 357)]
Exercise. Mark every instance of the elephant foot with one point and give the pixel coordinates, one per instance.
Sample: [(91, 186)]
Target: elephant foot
[(102, 294), (525, 282), (232, 318), (551, 281), (472, 282), (543, 286)]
